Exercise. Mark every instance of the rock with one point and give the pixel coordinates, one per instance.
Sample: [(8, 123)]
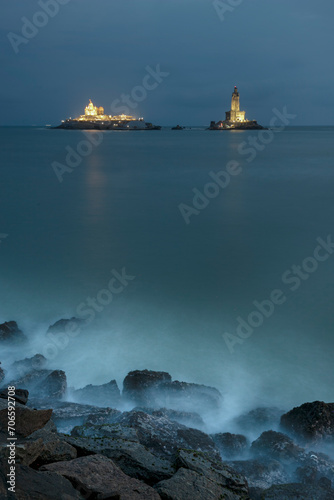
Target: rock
[(215, 470), (21, 395), (230, 445), (278, 446), (31, 484), (10, 332), (187, 484), (25, 452), (189, 419), (259, 420), (31, 380), (66, 326), (54, 386), (23, 366), (295, 491), (99, 477), (140, 386), (26, 421), (99, 395), (183, 396), (2, 373), (121, 444), (163, 437), (310, 422), (261, 475)]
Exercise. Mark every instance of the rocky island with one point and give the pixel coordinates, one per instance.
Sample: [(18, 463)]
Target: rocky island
[(94, 118), (157, 439), (235, 119)]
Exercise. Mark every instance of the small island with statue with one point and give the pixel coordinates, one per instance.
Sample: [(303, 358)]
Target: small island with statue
[(235, 119), (95, 118)]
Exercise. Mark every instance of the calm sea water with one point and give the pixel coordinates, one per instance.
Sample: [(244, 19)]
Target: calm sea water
[(120, 209)]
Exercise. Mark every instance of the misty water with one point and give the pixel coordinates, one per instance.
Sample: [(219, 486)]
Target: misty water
[(119, 208)]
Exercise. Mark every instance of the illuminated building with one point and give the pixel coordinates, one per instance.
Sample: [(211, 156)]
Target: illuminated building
[(235, 115), (93, 113)]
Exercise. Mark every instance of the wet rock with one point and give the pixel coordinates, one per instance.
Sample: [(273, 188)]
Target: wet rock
[(140, 386), (277, 446), (21, 395), (25, 452), (31, 380), (230, 445), (26, 421), (310, 422), (189, 419), (2, 373), (99, 477), (261, 475), (10, 332), (54, 385), (31, 484), (99, 395), (214, 470), (186, 484), (188, 397), (163, 436), (23, 366), (259, 419)]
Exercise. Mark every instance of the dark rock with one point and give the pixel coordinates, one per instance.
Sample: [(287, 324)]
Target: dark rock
[(31, 484), (2, 373), (189, 419), (23, 366), (261, 475), (66, 326), (215, 470), (295, 491), (140, 386), (163, 437), (230, 445), (188, 484), (278, 446), (21, 395), (10, 332), (54, 385), (259, 419), (99, 477), (31, 380), (310, 422), (26, 421), (99, 395)]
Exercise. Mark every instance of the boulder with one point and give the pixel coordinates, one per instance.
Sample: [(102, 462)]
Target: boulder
[(294, 491), (26, 421), (261, 475), (31, 380), (66, 326), (187, 484), (99, 395), (21, 395), (2, 373), (98, 477), (189, 419), (277, 446), (310, 422), (140, 386), (53, 386), (23, 366), (31, 484), (10, 332), (230, 445), (188, 397)]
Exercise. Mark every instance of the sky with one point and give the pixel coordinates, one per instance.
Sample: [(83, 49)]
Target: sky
[(277, 52)]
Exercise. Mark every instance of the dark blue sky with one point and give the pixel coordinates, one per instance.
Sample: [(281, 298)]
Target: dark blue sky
[(278, 53)]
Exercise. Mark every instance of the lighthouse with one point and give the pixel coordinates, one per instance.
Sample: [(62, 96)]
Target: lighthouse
[(235, 115)]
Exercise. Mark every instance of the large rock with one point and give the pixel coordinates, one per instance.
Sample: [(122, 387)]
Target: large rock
[(310, 422), (26, 421), (23, 366), (184, 396), (277, 446), (140, 386), (10, 332), (230, 445), (189, 419), (20, 396), (261, 475), (259, 420), (99, 395), (2, 373), (99, 477), (31, 484), (54, 386), (66, 326)]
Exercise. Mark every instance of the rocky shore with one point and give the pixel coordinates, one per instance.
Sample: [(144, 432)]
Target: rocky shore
[(150, 440)]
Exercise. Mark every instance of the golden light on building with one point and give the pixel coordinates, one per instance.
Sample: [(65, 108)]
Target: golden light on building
[(94, 113), (235, 115)]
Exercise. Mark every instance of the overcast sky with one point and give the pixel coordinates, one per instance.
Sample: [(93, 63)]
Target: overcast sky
[(278, 52)]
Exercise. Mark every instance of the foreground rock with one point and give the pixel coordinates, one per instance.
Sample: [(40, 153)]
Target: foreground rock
[(10, 332), (310, 422), (20, 396), (295, 491), (26, 421), (99, 477)]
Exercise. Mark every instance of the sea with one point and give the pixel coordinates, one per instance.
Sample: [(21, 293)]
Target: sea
[(206, 254)]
